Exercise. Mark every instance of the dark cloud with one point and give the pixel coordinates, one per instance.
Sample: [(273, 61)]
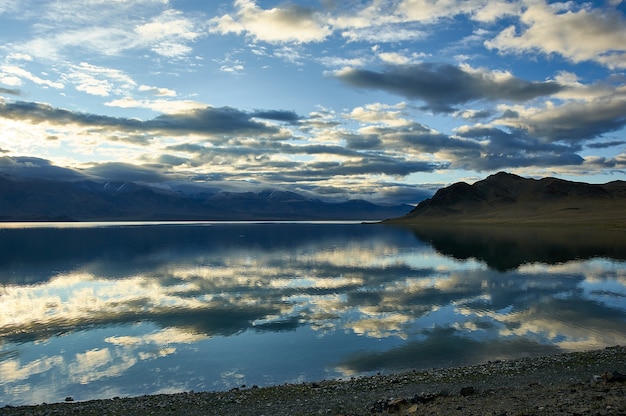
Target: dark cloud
[(414, 136), (39, 113), (261, 147), (367, 165), (223, 120), (358, 142), (278, 115), (604, 145), (443, 86), (499, 161), (515, 139), (10, 91), (433, 142), (478, 148), (34, 167), (209, 120), (577, 121), (515, 148), (509, 114), (172, 160)]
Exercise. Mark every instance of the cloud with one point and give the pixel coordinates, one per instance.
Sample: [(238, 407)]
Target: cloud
[(169, 34), (427, 11), (604, 145), (100, 81), (578, 35), (399, 58), (383, 34), (573, 122), (376, 22), (292, 23), (397, 115), (10, 91), (158, 91), (34, 167), (203, 121), (477, 147), (442, 86), (161, 105), (278, 115), (339, 61), (474, 114), (13, 72), (124, 172), (74, 27)]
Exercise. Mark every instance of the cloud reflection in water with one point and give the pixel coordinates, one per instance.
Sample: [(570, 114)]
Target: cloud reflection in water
[(135, 310)]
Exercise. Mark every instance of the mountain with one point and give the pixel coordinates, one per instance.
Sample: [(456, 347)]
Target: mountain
[(36, 199), (508, 198)]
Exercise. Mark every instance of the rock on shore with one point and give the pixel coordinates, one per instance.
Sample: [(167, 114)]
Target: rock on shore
[(580, 383)]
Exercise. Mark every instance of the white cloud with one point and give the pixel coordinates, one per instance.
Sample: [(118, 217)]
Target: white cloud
[(397, 58), (338, 61), (9, 5), (71, 27), (289, 24), (583, 35), (97, 80), (161, 106), (493, 10), (10, 80), (17, 56), (380, 114), (169, 34), (383, 34), (159, 92), (15, 370), (429, 11), (10, 73), (163, 337), (381, 326)]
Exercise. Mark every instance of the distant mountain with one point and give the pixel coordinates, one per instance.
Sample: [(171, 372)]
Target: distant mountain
[(508, 198), (36, 199)]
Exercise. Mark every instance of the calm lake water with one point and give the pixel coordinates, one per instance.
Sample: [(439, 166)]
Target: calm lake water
[(98, 311)]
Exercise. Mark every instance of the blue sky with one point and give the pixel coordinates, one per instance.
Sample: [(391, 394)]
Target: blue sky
[(378, 99)]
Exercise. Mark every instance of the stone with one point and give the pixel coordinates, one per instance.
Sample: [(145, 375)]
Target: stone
[(467, 391), (396, 405), (614, 377)]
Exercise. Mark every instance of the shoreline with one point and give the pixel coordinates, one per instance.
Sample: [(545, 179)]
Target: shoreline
[(589, 382)]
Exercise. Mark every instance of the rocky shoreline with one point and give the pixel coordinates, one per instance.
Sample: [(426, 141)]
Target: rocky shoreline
[(579, 383)]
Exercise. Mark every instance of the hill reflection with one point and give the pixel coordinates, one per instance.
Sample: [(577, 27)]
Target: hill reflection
[(506, 248)]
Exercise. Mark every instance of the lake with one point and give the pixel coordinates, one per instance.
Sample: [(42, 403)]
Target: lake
[(93, 310)]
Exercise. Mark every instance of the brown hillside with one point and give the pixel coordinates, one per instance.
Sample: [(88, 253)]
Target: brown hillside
[(508, 198)]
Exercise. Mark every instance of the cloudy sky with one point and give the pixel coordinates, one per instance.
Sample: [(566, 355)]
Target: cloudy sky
[(380, 99)]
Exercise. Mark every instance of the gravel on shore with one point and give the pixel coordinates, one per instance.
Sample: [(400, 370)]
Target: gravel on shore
[(579, 383)]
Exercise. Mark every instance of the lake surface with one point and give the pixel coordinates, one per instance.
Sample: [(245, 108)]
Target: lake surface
[(105, 310)]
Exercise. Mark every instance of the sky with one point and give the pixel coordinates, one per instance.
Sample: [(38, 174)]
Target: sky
[(385, 100)]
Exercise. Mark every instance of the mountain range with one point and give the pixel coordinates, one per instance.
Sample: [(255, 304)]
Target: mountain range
[(508, 198), (38, 199)]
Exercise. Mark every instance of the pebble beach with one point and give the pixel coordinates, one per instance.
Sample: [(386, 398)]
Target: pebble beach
[(577, 383)]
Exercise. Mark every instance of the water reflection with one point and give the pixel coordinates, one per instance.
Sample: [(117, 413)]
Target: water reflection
[(116, 311), (506, 248)]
